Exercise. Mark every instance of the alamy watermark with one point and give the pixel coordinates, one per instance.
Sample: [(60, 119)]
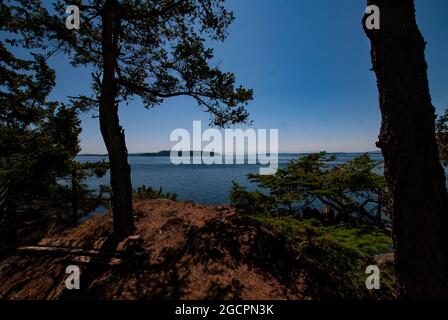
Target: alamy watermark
[(72, 282), (373, 280), (73, 20), (372, 22), (235, 146)]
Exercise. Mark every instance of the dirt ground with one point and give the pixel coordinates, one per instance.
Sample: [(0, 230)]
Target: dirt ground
[(187, 251)]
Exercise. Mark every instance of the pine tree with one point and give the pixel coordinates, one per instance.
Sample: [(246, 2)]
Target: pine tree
[(153, 50), (416, 180), (39, 139)]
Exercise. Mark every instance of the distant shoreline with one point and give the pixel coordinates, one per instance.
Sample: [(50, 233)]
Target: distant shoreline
[(163, 153), (167, 153)]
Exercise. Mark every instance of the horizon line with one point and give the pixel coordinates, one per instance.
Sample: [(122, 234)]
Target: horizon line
[(280, 152)]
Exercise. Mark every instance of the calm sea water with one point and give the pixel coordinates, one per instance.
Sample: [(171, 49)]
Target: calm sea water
[(207, 184)]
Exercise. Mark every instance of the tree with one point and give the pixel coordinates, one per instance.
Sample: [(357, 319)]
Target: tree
[(39, 140), (148, 49), (415, 177), (351, 190), (79, 195)]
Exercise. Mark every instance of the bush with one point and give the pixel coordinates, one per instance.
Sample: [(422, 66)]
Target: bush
[(143, 193)]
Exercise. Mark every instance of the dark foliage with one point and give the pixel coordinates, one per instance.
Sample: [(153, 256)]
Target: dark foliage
[(152, 50), (143, 193), (351, 191), (38, 143)]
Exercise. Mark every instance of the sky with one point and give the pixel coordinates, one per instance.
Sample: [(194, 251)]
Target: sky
[(308, 62)]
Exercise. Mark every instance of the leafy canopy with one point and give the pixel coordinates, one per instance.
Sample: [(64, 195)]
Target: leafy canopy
[(348, 188), (159, 49), (39, 139)]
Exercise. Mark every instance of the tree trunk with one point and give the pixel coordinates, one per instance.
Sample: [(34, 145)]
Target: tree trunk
[(113, 134), (416, 180)]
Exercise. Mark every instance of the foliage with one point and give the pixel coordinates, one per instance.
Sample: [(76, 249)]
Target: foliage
[(442, 137), (38, 138), (150, 50), (347, 189), (143, 192), (344, 253), (77, 192), (333, 257), (159, 49), (246, 202)]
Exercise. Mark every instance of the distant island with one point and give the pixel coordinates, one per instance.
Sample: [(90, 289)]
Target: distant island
[(163, 153), (167, 153)]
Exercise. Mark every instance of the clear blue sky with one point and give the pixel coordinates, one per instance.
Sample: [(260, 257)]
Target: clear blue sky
[(308, 62)]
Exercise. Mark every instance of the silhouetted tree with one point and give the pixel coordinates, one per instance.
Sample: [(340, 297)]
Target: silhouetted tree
[(148, 49), (416, 180), (38, 138)]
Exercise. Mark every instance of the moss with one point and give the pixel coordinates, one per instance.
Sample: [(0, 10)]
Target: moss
[(336, 257)]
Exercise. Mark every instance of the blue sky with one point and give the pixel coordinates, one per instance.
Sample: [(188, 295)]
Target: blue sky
[(308, 62)]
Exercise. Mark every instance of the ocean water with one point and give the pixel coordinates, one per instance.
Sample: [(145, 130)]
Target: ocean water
[(206, 184)]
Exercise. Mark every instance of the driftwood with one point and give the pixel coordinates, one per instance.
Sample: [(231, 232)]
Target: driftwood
[(129, 249), (63, 251)]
